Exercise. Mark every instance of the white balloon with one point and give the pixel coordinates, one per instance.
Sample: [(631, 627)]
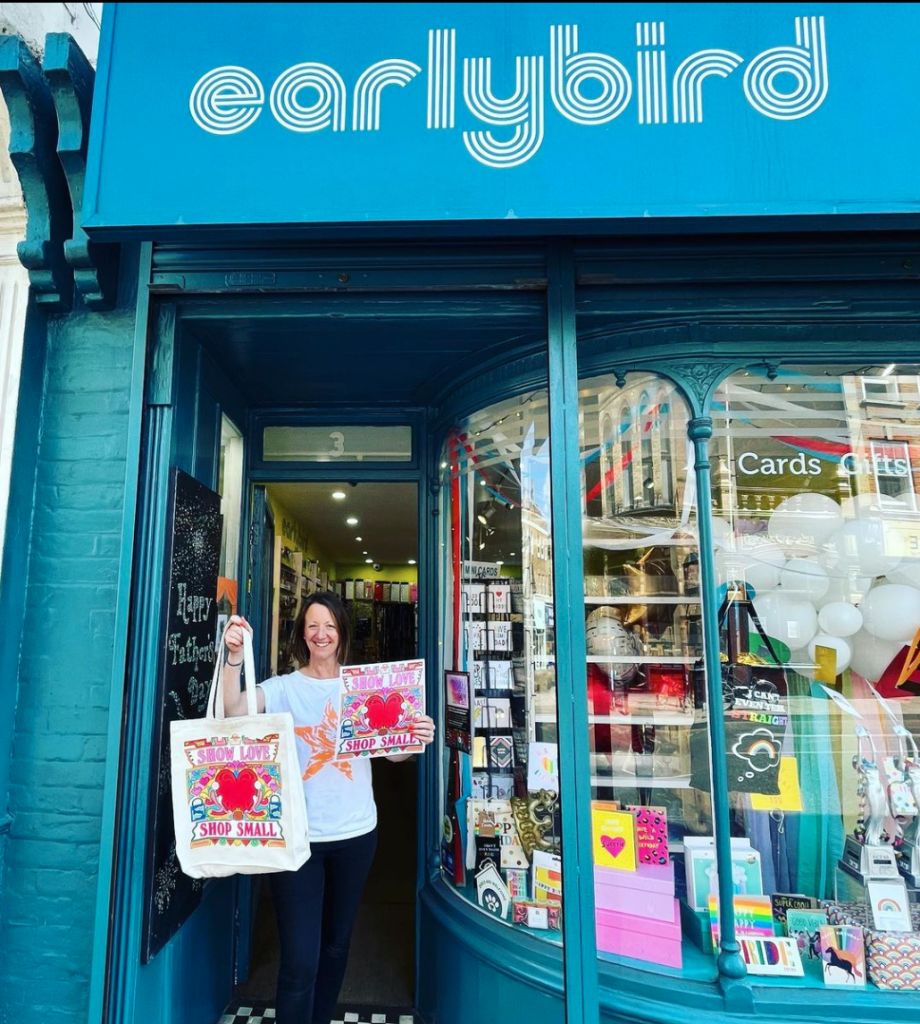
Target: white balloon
[(843, 649), (860, 545), (804, 578), (891, 612), (754, 560), (844, 588), (792, 622), (840, 619), (801, 523), (907, 573), (871, 656)]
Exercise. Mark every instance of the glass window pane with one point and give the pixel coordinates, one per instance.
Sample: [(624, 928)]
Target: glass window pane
[(818, 558), (647, 730), (343, 443), (502, 845)]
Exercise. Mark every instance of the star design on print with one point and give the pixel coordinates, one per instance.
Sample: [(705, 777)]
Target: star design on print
[(321, 741)]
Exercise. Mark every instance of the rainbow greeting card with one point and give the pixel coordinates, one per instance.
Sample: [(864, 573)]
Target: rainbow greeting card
[(843, 955), (753, 916)]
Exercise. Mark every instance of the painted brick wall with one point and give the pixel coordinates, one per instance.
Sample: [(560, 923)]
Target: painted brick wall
[(56, 774)]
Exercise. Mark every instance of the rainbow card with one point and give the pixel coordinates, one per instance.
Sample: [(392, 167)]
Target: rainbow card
[(753, 916), (843, 955)]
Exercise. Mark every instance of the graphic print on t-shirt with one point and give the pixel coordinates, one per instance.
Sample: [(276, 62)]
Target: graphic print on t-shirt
[(321, 740)]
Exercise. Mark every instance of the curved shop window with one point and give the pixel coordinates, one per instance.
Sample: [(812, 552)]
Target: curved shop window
[(815, 471), (643, 630), (501, 844)]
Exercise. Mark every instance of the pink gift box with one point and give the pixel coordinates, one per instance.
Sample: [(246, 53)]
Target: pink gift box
[(646, 892), (642, 938)]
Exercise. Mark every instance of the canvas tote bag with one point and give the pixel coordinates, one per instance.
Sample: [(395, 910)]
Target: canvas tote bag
[(238, 800)]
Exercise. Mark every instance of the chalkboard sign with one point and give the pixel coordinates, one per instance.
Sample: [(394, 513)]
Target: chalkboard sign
[(186, 663)]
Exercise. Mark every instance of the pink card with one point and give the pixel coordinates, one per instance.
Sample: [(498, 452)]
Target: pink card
[(652, 835)]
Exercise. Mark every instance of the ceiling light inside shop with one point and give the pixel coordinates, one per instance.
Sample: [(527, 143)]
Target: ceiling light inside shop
[(369, 561), (411, 561), (351, 521), (338, 495)]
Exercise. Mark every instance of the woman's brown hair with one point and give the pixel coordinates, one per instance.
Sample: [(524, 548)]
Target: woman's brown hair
[(298, 649)]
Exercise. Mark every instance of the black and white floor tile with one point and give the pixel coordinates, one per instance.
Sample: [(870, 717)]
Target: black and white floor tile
[(260, 1014)]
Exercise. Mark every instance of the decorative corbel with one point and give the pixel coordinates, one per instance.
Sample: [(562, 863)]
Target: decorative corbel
[(71, 78), (33, 140)]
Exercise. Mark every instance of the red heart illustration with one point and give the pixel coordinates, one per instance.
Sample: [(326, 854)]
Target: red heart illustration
[(384, 714), (237, 792), (613, 846)]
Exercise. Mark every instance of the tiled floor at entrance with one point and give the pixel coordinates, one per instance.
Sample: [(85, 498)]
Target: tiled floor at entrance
[(260, 1014)]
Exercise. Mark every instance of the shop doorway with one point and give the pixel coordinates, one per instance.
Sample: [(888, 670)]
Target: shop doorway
[(360, 540)]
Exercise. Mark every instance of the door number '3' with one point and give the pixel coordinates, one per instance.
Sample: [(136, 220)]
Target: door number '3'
[(338, 442)]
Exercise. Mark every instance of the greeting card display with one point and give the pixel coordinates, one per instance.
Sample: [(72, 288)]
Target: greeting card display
[(379, 705), (459, 733), (843, 955), (753, 916), (776, 956), (491, 713), (804, 927), (614, 837), (547, 877), (651, 835), (543, 767), (783, 902)]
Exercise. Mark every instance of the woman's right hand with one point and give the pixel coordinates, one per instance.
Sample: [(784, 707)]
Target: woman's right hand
[(233, 635)]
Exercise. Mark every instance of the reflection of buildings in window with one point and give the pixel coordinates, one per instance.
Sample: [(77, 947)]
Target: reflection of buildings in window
[(637, 463), (891, 469), (880, 389), (881, 431)]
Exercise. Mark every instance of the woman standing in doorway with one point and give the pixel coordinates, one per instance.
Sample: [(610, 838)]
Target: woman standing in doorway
[(316, 906)]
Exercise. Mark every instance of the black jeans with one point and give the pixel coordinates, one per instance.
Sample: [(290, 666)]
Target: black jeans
[(316, 909)]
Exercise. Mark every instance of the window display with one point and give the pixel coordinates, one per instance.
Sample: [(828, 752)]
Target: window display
[(501, 845), (643, 625), (818, 568), (816, 599)]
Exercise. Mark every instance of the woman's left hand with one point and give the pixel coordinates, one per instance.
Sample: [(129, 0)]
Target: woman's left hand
[(422, 729)]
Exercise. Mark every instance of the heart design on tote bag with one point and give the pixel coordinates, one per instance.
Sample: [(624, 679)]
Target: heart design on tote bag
[(237, 792), (384, 714), (613, 846)]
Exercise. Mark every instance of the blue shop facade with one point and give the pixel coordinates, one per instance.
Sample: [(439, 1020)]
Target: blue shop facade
[(631, 300)]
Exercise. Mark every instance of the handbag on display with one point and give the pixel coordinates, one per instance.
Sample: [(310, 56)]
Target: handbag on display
[(902, 677), (238, 799), (753, 708)]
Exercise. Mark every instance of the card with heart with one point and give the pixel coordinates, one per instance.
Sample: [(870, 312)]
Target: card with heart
[(614, 837), (379, 703)]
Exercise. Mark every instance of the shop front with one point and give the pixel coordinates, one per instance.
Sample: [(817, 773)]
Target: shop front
[(640, 387)]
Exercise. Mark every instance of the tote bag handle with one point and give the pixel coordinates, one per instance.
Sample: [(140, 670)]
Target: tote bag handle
[(216, 695), (748, 605)]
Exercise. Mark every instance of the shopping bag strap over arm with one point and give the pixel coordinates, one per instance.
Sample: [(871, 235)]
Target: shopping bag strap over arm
[(216, 695)]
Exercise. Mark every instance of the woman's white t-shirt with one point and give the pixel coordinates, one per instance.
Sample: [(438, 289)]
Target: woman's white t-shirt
[(340, 794)]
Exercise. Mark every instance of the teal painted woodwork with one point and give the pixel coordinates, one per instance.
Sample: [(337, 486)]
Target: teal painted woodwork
[(718, 309)]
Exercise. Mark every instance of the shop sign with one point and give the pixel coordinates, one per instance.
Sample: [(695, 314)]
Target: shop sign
[(880, 461), (307, 113)]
